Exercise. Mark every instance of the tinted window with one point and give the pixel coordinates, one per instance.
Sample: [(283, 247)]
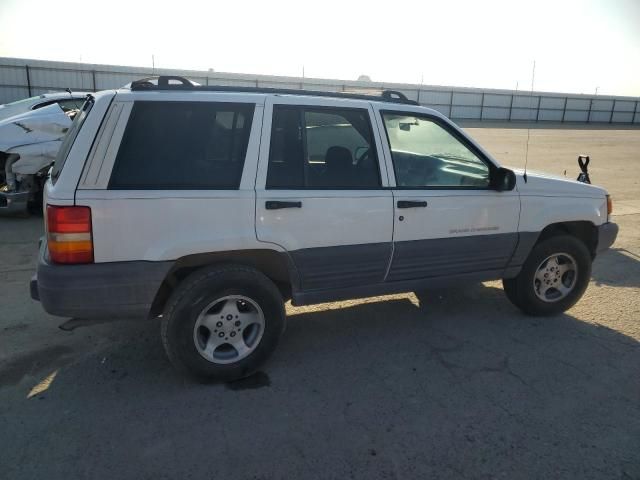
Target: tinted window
[(425, 154), (322, 148), (183, 145)]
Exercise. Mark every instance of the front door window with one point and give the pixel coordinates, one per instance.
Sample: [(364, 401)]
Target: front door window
[(425, 154)]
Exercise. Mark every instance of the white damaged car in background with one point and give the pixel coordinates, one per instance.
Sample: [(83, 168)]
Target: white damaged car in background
[(29, 142)]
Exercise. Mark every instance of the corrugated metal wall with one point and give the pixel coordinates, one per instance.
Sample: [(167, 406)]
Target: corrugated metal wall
[(21, 78)]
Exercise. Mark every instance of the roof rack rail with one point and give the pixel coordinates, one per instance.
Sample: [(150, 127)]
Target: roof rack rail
[(164, 82)]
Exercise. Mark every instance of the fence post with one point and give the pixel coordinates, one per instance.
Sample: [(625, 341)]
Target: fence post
[(589, 112), (451, 105), (511, 105), (482, 106), (26, 67), (538, 107), (93, 77), (635, 112), (564, 108), (613, 108)]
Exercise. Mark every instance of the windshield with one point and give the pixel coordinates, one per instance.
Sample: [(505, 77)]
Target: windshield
[(69, 138)]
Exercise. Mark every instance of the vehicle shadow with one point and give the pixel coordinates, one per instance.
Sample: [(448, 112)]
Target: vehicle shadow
[(617, 267), (456, 383)]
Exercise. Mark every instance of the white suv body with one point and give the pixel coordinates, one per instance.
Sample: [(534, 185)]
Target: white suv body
[(328, 197)]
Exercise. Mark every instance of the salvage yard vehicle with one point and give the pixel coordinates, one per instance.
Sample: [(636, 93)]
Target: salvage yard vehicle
[(67, 100), (31, 132), (211, 206)]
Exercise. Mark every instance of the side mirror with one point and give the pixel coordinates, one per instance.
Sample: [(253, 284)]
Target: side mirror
[(503, 180)]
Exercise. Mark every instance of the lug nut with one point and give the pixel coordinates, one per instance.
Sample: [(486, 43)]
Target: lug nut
[(221, 334), (229, 317), (219, 324), (233, 334)]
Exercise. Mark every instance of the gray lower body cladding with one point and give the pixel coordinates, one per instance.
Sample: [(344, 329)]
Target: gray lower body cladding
[(441, 257), (331, 273), (99, 290), (607, 234), (341, 266), (341, 272)]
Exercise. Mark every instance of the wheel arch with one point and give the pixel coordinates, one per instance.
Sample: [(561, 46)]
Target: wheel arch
[(277, 266), (583, 230)]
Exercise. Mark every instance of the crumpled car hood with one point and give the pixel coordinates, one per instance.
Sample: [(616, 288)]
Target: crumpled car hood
[(36, 126)]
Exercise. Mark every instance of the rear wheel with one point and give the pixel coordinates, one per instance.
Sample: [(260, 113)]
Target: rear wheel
[(553, 278), (222, 323)]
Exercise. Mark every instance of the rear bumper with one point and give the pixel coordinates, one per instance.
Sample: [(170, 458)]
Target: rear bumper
[(607, 233), (119, 289)]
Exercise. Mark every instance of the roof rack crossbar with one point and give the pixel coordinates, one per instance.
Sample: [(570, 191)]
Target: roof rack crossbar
[(164, 83)]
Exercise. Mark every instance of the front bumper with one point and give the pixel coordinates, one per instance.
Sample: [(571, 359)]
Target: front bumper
[(98, 290), (607, 233), (13, 202)]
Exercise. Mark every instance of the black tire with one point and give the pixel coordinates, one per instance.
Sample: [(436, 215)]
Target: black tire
[(521, 291), (194, 294)]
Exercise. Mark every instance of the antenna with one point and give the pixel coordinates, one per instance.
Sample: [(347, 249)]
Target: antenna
[(526, 154)]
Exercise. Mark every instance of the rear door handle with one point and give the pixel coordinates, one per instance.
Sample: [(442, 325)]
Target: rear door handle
[(411, 204), (277, 205)]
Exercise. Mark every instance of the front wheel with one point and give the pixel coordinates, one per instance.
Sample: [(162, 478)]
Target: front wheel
[(222, 323), (553, 278)]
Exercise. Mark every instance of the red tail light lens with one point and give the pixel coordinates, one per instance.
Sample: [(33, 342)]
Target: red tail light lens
[(69, 234)]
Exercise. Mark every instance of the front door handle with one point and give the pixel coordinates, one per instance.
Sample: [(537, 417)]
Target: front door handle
[(277, 205), (411, 203)]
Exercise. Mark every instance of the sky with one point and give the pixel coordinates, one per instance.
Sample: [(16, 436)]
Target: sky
[(578, 46)]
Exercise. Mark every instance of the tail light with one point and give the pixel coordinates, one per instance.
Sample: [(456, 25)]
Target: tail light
[(609, 206), (69, 234)]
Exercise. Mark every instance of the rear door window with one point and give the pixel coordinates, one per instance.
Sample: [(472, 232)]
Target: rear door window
[(183, 145), (318, 148)]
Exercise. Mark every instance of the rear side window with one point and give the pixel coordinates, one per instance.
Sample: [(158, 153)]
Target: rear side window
[(183, 145), (321, 148)]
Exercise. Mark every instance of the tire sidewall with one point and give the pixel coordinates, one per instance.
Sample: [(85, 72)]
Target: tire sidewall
[(527, 298), (196, 295)]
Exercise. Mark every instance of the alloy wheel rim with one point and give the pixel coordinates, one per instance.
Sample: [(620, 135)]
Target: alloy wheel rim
[(555, 277), (228, 329)]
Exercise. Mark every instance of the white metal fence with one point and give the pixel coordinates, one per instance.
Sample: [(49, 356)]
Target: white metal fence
[(20, 78)]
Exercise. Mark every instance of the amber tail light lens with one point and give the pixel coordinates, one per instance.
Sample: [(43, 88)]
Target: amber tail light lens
[(69, 234), (609, 205)]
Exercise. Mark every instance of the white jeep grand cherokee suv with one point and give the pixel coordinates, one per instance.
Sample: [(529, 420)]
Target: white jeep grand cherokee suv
[(211, 206)]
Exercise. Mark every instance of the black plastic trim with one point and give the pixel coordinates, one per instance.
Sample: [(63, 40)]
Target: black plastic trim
[(390, 96), (277, 204), (607, 234)]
